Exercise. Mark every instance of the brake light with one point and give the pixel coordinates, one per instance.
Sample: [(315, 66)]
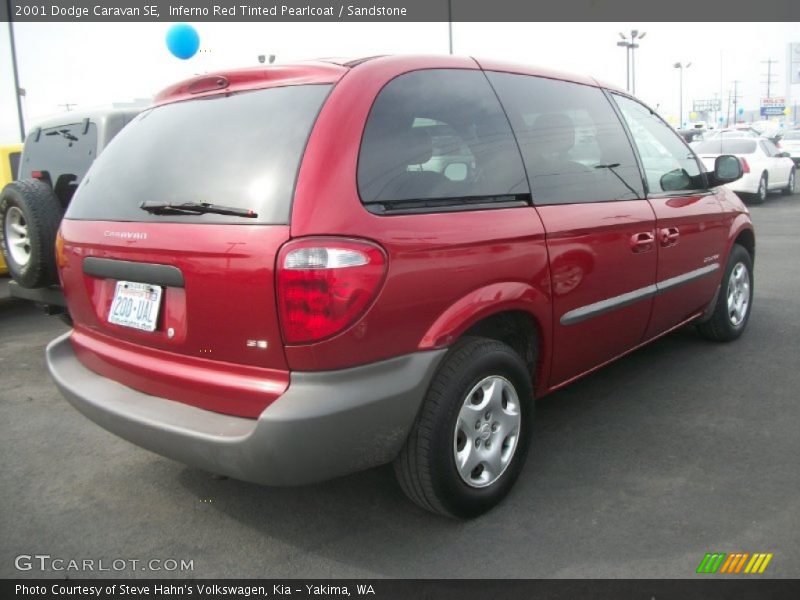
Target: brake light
[(37, 175), (325, 285), (745, 166)]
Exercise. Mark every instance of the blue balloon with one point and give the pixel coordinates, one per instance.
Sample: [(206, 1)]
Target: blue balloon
[(720, 119), (183, 40), (741, 110)]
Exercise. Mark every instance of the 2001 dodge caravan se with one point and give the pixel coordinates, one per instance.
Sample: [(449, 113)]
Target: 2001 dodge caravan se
[(290, 273)]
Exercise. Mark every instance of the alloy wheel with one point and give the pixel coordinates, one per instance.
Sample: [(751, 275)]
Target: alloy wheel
[(487, 431), (17, 238)]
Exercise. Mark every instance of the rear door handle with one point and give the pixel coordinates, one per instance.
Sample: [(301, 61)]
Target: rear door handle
[(669, 236), (642, 242)]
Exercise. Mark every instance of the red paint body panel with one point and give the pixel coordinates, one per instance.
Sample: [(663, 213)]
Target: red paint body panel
[(698, 220), (591, 260), (228, 299)]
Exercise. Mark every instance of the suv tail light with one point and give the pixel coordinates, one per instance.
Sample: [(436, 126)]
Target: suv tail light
[(745, 166), (325, 284)]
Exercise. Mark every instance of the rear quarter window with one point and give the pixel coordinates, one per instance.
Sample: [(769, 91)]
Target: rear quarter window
[(439, 140)]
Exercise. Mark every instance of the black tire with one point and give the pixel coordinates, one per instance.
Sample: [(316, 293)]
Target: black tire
[(426, 467), (761, 195), (721, 327), (42, 214), (790, 186)]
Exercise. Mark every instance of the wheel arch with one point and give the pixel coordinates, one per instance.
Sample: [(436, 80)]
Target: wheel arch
[(512, 312)]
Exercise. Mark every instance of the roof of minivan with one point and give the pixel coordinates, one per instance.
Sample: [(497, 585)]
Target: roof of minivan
[(330, 70)]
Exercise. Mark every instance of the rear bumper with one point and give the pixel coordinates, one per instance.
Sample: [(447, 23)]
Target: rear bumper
[(325, 425), (748, 184)]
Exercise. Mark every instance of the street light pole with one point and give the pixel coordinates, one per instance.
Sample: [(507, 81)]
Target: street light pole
[(681, 67), (17, 89), (630, 47)]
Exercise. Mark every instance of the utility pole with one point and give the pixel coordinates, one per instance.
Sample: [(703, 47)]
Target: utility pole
[(17, 88), (735, 101), (769, 62), (68, 106)]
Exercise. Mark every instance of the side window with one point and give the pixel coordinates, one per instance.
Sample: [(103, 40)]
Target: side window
[(669, 164), (439, 138), (574, 145)]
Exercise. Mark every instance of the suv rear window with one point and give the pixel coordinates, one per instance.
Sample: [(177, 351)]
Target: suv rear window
[(241, 150), (439, 140), (723, 146), (63, 154)]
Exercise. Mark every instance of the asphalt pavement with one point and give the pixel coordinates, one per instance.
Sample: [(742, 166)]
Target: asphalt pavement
[(682, 448)]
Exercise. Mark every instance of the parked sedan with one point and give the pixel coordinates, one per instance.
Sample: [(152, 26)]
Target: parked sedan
[(766, 167), (790, 142)]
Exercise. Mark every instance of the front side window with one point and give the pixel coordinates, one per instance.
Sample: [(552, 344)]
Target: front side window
[(669, 164), (439, 139)]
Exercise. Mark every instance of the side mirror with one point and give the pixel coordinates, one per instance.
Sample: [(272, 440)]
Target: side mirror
[(727, 168)]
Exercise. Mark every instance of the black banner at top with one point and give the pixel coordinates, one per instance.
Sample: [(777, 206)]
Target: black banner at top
[(394, 10)]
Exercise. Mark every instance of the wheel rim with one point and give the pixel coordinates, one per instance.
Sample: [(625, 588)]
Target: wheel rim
[(487, 431), (738, 294), (17, 240)]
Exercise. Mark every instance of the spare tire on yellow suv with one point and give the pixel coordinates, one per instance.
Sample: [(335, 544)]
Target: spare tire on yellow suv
[(29, 217)]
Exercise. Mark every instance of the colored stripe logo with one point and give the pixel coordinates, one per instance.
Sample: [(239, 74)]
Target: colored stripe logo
[(734, 563)]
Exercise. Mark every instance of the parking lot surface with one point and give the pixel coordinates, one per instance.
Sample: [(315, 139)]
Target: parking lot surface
[(682, 448)]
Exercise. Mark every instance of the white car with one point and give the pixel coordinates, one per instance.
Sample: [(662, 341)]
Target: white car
[(790, 142), (731, 132), (766, 167)]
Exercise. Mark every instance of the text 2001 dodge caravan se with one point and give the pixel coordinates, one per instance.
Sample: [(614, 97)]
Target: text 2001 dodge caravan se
[(292, 273)]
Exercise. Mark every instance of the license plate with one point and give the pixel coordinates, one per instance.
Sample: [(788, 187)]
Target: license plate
[(135, 305)]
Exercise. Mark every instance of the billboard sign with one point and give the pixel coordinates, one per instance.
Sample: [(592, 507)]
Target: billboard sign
[(772, 107), (706, 105)]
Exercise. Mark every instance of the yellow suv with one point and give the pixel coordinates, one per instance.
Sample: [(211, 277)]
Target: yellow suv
[(9, 167)]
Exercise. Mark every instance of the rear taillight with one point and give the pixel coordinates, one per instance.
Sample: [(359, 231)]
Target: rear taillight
[(325, 285), (745, 166), (37, 175), (61, 256)]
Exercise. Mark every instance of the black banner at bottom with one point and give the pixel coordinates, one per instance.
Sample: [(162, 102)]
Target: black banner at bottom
[(390, 589)]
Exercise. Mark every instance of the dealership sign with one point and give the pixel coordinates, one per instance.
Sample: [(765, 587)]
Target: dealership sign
[(772, 106)]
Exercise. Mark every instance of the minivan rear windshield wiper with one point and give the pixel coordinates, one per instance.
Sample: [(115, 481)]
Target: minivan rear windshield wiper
[(195, 208)]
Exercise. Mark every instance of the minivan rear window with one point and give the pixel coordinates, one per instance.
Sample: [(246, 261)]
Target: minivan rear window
[(241, 150), (723, 146)]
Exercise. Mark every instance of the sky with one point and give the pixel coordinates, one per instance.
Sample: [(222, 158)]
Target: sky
[(94, 64)]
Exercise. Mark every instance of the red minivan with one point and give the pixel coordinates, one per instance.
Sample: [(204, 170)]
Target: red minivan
[(291, 273)]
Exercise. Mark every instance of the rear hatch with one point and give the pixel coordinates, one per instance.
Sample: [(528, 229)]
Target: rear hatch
[(171, 299)]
